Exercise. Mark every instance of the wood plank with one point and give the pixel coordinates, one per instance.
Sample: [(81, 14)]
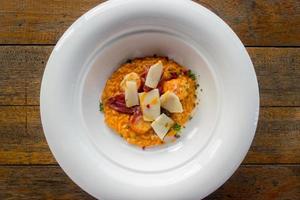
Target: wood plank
[(21, 69), (256, 22), (12, 77), (21, 142), (260, 22), (261, 182), (278, 74), (38, 183), (249, 182), (39, 22), (277, 138)]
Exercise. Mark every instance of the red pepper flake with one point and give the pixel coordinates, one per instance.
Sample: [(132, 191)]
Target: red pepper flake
[(160, 87), (148, 105), (146, 88), (185, 71), (174, 75)]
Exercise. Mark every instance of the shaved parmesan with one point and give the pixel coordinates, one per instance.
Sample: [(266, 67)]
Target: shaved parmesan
[(170, 101), (154, 75), (150, 104), (161, 125), (131, 94)]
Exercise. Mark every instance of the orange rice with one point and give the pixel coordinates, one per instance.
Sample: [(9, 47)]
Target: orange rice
[(120, 123)]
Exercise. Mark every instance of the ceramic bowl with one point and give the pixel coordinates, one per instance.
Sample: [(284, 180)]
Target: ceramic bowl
[(214, 142)]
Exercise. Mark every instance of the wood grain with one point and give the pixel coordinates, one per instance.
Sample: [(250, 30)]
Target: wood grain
[(21, 69), (21, 137), (12, 77), (256, 22), (39, 22), (31, 182), (260, 22), (249, 182), (261, 182), (278, 73), (277, 138)]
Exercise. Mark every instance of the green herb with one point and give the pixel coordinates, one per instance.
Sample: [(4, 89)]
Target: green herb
[(101, 107), (177, 136), (191, 75), (197, 85), (176, 127), (190, 117)]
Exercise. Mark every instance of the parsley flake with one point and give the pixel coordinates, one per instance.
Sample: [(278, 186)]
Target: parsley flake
[(191, 75), (176, 127), (101, 107)]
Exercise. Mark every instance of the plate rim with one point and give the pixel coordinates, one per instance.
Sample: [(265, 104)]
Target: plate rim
[(44, 81)]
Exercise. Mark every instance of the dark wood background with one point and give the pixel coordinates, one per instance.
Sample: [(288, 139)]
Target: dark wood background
[(270, 29)]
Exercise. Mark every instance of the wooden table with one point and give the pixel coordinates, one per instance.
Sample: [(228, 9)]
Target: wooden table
[(270, 29)]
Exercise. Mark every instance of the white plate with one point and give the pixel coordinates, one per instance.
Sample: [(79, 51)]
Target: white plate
[(214, 142)]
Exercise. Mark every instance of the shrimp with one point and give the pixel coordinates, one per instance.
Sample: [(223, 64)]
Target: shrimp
[(137, 123), (180, 86), (130, 77)]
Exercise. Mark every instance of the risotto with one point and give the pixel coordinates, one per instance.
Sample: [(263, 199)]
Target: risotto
[(144, 93)]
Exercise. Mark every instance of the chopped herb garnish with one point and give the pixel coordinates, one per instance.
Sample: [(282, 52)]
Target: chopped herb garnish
[(197, 85), (191, 75), (177, 136), (190, 118), (101, 107), (176, 127), (201, 90)]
